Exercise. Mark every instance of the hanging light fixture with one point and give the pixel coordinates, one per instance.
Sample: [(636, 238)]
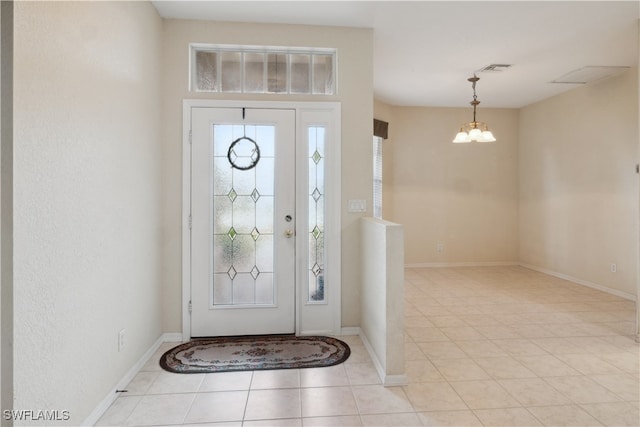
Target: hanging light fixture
[(474, 131)]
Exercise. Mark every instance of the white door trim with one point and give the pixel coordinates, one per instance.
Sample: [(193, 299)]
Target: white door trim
[(333, 212)]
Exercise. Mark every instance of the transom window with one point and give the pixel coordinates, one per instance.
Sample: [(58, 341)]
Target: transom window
[(255, 69)]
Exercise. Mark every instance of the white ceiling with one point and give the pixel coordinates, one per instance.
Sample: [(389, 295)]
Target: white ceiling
[(424, 51)]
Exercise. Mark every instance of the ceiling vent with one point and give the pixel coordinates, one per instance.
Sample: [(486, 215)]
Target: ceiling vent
[(589, 74), (494, 68)]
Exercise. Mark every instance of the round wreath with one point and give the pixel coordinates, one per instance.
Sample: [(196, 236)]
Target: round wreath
[(254, 162)]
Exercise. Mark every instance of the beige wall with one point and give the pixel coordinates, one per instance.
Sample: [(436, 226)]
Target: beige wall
[(355, 88), (557, 191), (578, 186), (464, 196), (87, 199)]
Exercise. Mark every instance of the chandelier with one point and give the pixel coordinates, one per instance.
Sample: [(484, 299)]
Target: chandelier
[(474, 131)]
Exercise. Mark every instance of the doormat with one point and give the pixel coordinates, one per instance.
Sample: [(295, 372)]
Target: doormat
[(248, 353)]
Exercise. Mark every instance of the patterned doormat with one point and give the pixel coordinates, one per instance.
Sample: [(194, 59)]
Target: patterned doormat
[(248, 353)]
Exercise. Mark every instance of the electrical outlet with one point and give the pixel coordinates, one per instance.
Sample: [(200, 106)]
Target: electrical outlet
[(614, 268), (121, 340), (439, 247)]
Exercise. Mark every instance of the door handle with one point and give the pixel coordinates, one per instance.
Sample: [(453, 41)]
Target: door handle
[(288, 234)]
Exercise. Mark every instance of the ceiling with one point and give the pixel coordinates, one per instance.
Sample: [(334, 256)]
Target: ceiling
[(424, 51)]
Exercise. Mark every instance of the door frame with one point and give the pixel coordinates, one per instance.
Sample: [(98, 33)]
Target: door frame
[(310, 319)]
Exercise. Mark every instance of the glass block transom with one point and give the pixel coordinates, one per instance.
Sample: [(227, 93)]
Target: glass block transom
[(242, 69)]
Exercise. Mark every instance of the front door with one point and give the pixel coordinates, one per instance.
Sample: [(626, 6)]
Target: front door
[(243, 224)]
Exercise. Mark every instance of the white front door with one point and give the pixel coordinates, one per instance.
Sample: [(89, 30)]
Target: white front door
[(243, 223)]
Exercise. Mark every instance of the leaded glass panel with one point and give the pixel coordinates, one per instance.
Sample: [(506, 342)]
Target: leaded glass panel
[(264, 182), (222, 291), (264, 288), (243, 217), (316, 153), (243, 289)]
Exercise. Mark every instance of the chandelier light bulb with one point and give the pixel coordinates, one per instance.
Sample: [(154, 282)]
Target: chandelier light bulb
[(462, 137), (475, 134), (487, 136)]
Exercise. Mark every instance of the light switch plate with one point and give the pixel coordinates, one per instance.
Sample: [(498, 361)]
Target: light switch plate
[(357, 205)]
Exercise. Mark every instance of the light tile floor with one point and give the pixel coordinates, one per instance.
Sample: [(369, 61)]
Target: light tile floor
[(485, 346)]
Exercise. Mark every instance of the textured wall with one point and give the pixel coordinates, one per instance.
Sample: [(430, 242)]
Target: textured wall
[(578, 185), (355, 88), (87, 198)]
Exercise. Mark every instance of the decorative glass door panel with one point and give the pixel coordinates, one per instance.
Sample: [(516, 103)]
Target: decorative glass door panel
[(316, 192), (243, 201)]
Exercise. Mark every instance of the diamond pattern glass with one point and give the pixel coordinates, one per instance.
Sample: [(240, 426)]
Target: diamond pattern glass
[(243, 219), (316, 135)]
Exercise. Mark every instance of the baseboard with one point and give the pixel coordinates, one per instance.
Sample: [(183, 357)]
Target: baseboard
[(578, 281), (372, 354), (126, 379), (319, 332), (461, 264), (395, 380), (387, 380), (350, 330), (172, 337)]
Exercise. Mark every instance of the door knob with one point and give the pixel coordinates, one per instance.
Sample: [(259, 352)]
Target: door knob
[(288, 233)]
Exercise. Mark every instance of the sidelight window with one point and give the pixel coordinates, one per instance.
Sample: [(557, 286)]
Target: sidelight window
[(316, 193)]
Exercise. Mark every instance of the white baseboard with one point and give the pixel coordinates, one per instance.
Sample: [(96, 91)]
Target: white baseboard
[(578, 281), (387, 380), (350, 330), (395, 380), (319, 332), (372, 354), (172, 337), (126, 379), (461, 264)]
